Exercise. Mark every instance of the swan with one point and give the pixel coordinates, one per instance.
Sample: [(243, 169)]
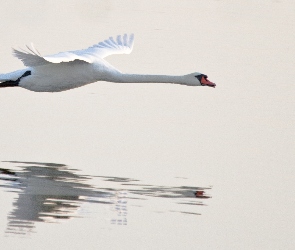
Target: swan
[(73, 69)]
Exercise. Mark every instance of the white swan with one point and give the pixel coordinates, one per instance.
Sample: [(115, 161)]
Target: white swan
[(72, 69)]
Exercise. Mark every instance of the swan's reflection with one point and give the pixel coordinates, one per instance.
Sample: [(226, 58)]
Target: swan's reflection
[(49, 192)]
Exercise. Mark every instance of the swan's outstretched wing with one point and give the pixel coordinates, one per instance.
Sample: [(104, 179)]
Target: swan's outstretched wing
[(122, 45)]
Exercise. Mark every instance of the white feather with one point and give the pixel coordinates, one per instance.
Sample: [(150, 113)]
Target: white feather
[(32, 58)]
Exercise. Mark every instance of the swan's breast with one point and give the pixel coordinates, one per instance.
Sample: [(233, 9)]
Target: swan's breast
[(63, 76)]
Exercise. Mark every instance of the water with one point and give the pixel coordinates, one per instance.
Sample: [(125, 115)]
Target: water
[(49, 192), (117, 165)]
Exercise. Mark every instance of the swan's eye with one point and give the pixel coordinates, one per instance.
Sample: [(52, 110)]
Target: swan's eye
[(200, 77)]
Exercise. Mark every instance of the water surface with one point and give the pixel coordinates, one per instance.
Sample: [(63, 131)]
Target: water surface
[(52, 193)]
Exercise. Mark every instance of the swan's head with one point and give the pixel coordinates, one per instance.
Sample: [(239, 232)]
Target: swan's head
[(198, 79)]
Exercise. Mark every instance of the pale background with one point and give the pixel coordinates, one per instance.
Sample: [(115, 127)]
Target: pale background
[(238, 138)]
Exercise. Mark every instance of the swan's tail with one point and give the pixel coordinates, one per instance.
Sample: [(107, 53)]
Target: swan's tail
[(12, 79), (3, 78), (5, 81)]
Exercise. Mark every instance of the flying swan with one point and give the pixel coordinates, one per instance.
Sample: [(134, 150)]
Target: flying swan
[(73, 69)]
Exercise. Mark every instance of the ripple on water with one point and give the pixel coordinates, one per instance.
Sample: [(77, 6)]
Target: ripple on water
[(50, 192)]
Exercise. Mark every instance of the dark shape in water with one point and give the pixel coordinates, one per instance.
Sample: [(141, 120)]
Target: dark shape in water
[(49, 192), (200, 194)]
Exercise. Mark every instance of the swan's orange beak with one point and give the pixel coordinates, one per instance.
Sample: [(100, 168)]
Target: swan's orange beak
[(206, 82)]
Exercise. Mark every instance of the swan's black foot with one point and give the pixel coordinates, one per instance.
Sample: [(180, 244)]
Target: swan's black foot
[(14, 83)]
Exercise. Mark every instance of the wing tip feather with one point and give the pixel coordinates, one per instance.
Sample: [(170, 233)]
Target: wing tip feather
[(122, 44)]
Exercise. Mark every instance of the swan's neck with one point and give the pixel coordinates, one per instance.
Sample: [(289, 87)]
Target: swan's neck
[(135, 78)]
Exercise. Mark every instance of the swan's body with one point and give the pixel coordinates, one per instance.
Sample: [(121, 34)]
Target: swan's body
[(73, 69)]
